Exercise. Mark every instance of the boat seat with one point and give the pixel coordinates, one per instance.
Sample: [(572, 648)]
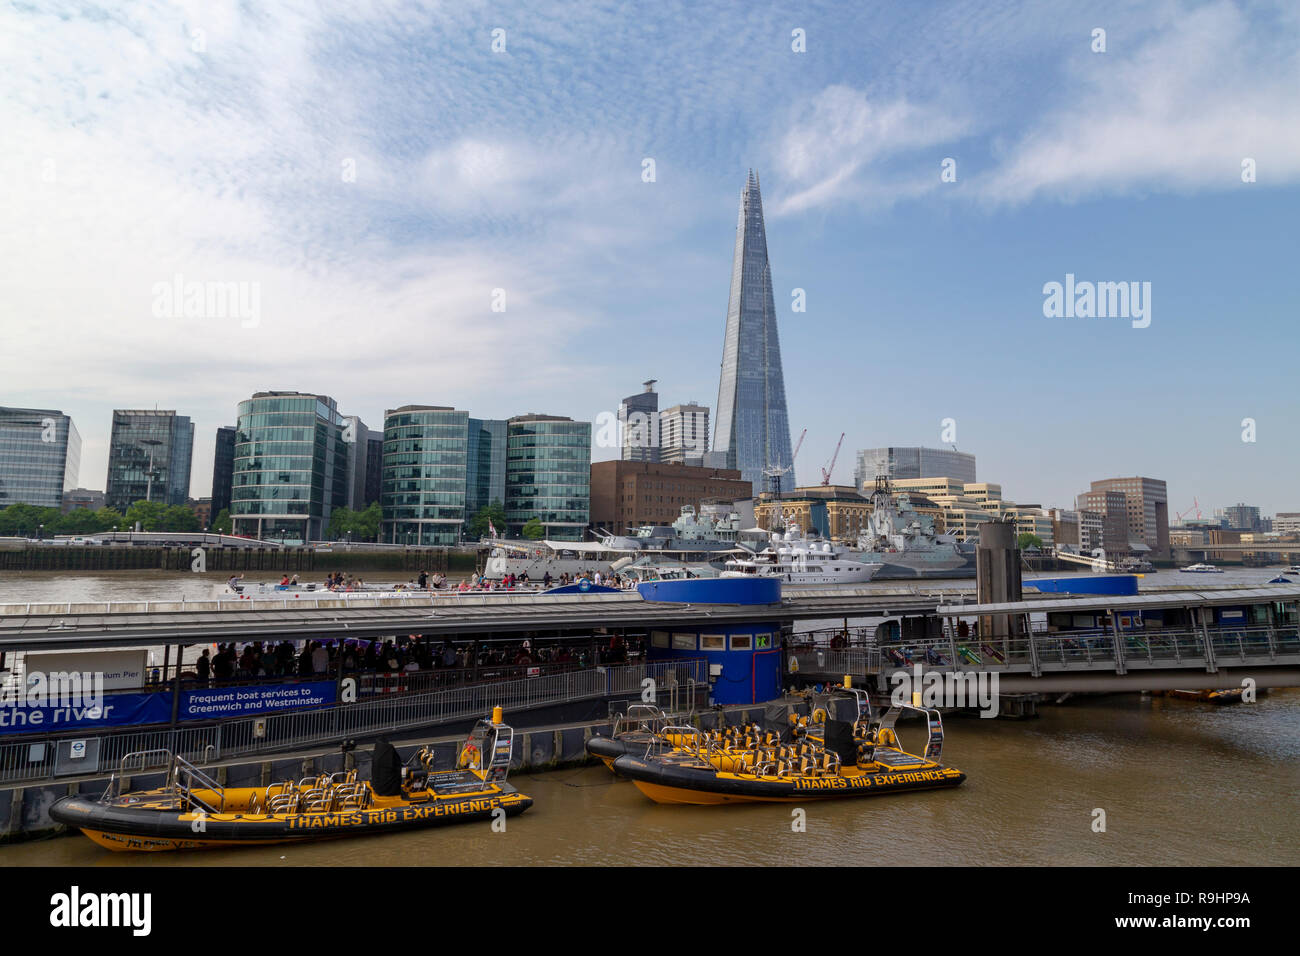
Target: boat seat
[(284, 802)]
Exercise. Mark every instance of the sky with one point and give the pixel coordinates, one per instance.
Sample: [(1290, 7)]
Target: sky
[(373, 178)]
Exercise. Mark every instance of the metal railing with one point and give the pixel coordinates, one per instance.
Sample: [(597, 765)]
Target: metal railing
[(33, 759), (851, 660), (1098, 649)]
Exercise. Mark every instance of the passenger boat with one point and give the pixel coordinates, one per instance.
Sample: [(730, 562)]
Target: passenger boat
[(796, 559), (1201, 569), (745, 765), (191, 811)]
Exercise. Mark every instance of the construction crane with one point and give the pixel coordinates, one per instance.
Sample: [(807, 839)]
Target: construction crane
[(1196, 506), (776, 471), (826, 472)]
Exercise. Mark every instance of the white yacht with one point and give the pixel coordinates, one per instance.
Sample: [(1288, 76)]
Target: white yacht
[(799, 560), (1201, 569)]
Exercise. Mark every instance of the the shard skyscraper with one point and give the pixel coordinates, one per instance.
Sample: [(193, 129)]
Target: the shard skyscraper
[(753, 428)]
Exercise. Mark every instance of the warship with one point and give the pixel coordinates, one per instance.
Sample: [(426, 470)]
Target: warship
[(904, 541)]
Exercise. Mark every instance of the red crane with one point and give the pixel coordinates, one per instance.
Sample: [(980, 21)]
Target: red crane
[(1196, 506), (826, 472)]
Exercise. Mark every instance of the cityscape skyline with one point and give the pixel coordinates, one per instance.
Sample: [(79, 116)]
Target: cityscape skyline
[(924, 295)]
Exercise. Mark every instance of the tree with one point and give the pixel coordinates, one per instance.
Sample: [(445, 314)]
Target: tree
[(533, 530), (340, 522), (109, 518), (365, 524), (494, 513), (149, 514), (1025, 540), (222, 524), (25, 520), (179, 518)]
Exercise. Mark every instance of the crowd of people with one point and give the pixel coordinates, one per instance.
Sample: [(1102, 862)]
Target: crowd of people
[(325, 659)]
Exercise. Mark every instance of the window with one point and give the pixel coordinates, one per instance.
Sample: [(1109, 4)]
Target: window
[(713, 642), (684, 642), (742, 642), (762, 642), (658, 638)]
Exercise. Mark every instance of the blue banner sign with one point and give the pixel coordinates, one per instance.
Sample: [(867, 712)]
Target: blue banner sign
[(216, 702), (115, 710)]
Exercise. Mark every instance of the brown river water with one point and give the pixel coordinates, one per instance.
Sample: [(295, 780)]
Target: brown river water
[(1181, 783)]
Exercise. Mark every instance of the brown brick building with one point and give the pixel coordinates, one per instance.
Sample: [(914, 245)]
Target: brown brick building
[(629, 493)]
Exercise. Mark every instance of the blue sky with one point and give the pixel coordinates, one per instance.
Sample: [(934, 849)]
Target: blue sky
[(215, 140)]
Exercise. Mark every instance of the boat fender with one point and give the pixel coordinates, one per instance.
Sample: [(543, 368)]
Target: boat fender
[(468, 758), (887, 738), (819, 715)]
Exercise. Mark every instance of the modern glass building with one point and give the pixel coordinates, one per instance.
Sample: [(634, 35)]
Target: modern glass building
[(423, 489), (486, 465), (637, 416), (912, 462), (291, 466), (149, 456), (223, 469), (548, 475), (40, 456), (753, 427)]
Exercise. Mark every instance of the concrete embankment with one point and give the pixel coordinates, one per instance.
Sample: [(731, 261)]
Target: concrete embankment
[(24, 811)]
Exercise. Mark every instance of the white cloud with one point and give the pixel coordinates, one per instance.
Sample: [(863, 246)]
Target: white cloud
[(1179, 112), (843, 133)]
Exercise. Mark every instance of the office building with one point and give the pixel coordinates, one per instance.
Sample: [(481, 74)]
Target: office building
[(149, 456), (1147, 508), (440, 467), (291, 466), (902, 463), (223, 469), (548, 475), (423, 489), (684, 434), (40, 456), (626, 494), (1242, 517), (753, 426), (638, 419), (1113, 509)]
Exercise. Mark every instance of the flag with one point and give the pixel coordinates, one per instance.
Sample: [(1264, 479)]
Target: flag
[(491, 529)]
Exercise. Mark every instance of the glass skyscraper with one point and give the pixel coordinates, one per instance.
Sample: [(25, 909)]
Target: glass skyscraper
[(291, 466), (912, 462), (223, 469), (422, 491), (548, 475), (149, 455), (753, 427), (40, 457)]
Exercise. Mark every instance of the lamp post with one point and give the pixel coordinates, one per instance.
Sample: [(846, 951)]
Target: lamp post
[(152, 443)]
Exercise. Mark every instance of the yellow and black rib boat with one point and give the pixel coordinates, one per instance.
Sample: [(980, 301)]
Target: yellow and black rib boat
[(640, 727), (192, 812), (830, 758)]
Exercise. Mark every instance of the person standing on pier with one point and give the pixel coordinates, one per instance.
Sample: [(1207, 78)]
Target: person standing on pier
[(204, 668)]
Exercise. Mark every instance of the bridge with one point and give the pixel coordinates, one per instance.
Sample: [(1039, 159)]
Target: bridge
[(1119, 655)]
